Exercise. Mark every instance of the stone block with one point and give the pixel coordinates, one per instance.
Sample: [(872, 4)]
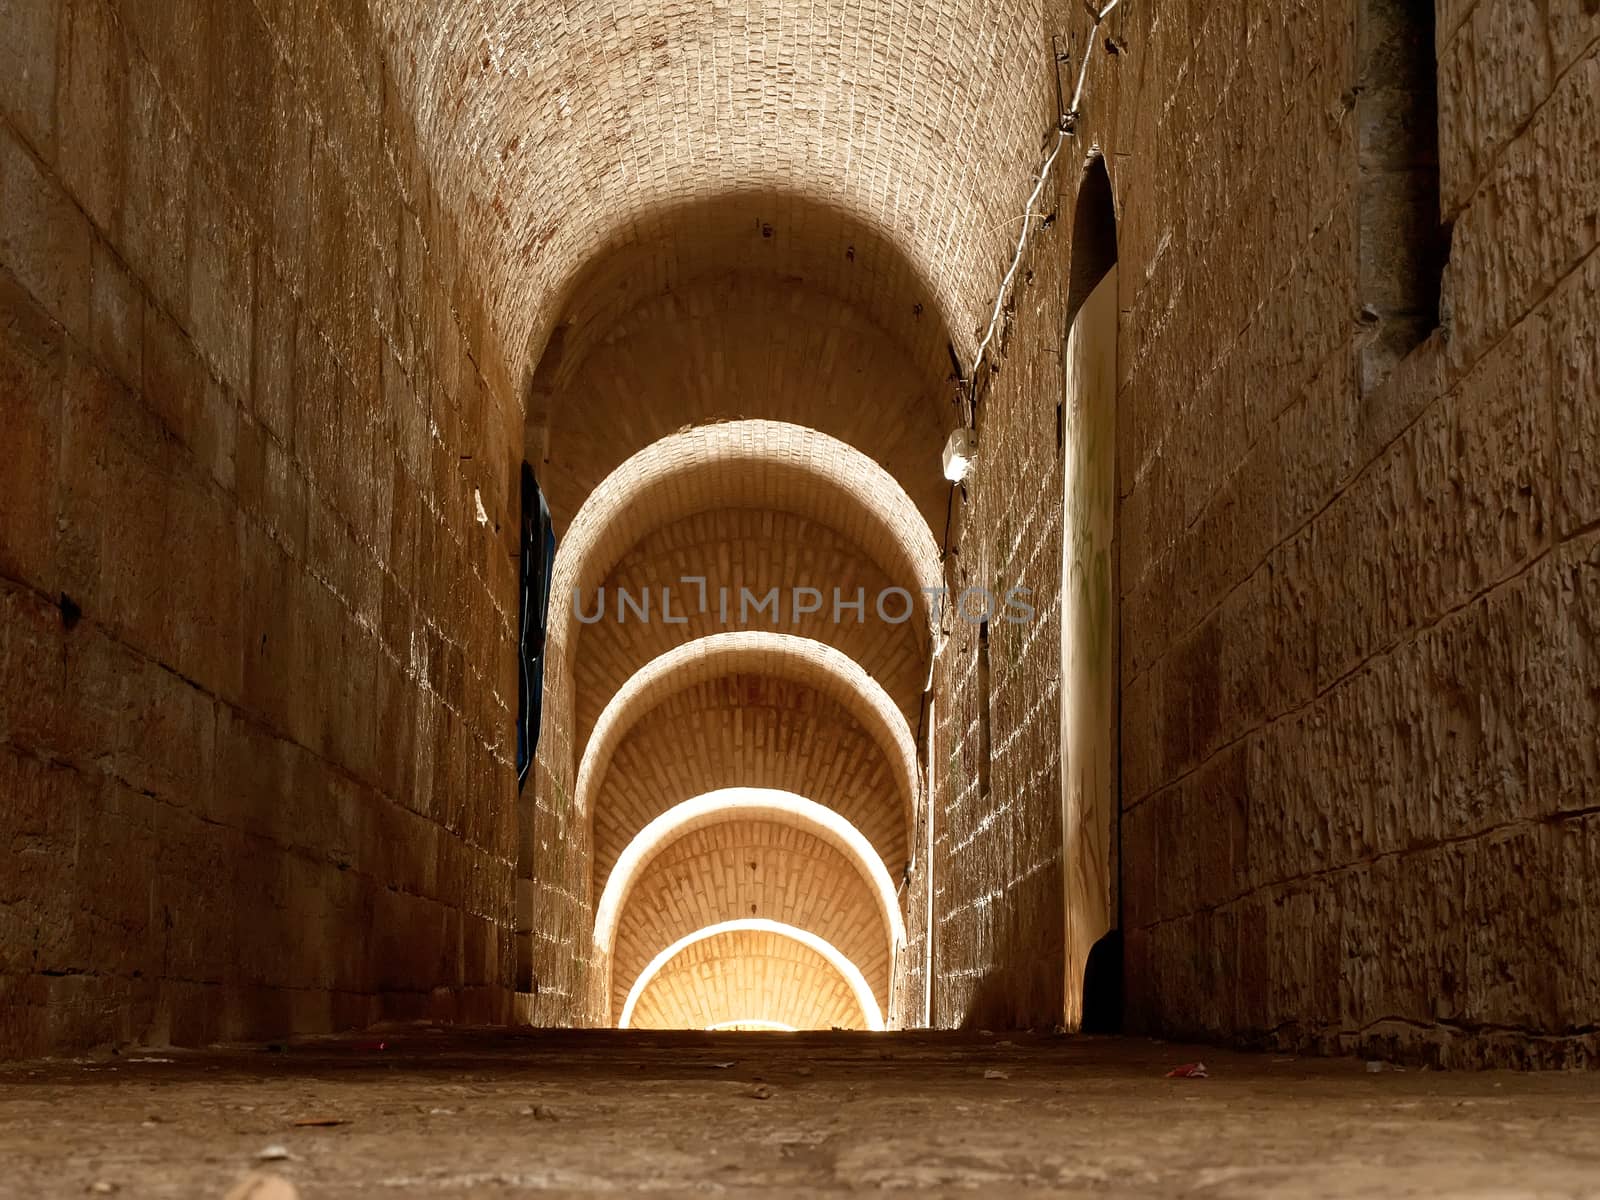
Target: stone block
[(1291, 645), (88, 400), (174, 378), (1574, 29), (175, 37), (24, 1020), (288, 183), (1539, 216), (1517, 960), (45, 240), (239, 104), (271, 629), (217, 435), (1315, 442), (151, 729), (92, 108), (197, 906), (38, 833), (32, 670), (113, 882), (1501, 467), (116, 317), (1575, 447), (1493, 74), (28, 69), (32, 366), (1244, 660), (1219, 816), (154, 237), (221, 281), (1560, 712), (273, 343)]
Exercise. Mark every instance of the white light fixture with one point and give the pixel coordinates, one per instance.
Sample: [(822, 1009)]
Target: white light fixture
[(960, 452)]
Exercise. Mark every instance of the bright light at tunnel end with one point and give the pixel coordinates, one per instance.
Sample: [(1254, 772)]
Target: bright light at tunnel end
[(870, 1012)]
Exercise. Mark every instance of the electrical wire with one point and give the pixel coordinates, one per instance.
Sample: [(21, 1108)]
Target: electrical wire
[(1067, 127)]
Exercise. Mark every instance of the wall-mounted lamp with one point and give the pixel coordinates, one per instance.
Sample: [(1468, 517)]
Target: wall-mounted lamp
[(960, 454)]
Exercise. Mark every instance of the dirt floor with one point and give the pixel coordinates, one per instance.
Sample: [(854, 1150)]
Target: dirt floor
[(419, 1112)]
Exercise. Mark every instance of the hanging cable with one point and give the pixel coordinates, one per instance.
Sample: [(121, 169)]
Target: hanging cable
[(1066, 127)]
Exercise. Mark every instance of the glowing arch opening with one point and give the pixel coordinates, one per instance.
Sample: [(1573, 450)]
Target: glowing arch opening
[(781, 655), (746, 802), (811, 473), (718, 806), (870, 1012), (739, 464)]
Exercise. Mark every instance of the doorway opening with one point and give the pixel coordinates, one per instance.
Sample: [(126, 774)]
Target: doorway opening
[(1090, 699)]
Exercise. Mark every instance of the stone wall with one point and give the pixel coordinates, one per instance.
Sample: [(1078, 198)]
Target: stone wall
[(998, 931), (255, 639), (255, 660), (1358, 629)]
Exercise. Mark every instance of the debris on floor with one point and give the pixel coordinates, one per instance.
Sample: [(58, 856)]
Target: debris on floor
[(1194, 1070), (1073, 1119)]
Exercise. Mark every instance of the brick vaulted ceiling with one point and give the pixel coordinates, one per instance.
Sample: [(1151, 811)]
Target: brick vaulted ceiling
[(743, 867), (637, 133), (698, 212), (726, 697), (838, 496), (745, 974)]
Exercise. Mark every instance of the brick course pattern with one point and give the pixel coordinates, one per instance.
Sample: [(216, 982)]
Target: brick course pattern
[(745, 868), (1358, 748), (747, 975), (254, 651), (769, 725), (289, 289)]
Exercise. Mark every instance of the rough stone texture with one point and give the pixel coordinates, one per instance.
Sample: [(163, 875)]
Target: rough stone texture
[(596, 1112), (288, 292), (1358, 748), (607, 151), (1358, 745), (254, 772)]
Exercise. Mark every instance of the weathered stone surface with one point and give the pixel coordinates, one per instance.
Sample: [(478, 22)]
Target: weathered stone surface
[(288, 293), (28, 69), (1493, 73), (191, 570)]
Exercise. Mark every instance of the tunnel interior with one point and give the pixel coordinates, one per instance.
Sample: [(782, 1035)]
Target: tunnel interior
[(773, 519)]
